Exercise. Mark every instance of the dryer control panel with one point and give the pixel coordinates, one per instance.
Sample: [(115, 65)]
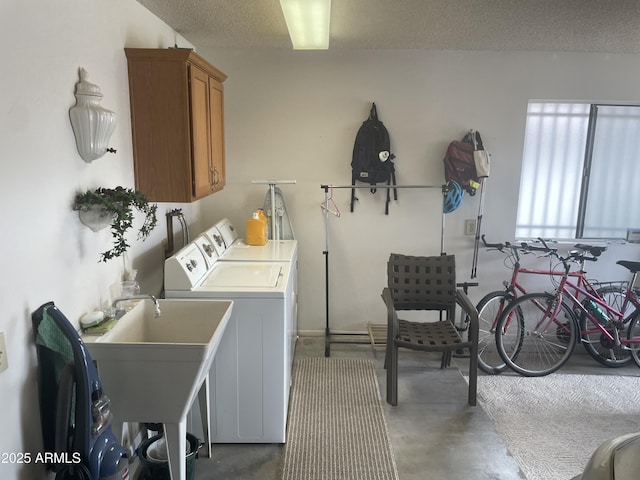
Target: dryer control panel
[(185, 269), (208, 249), (228, 231)]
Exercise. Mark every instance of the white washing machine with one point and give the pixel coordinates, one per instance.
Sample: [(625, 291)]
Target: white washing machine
[(227, 247), (251, 373)]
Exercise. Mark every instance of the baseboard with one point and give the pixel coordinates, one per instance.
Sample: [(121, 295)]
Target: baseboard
[(320, 333), (310, 333)]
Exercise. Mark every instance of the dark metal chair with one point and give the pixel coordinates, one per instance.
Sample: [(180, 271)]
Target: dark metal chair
[(427, 283)]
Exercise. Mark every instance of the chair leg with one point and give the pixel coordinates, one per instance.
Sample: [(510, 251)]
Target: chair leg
[(387, 351), (473, 374), (392, 374), (446, 359), (391, 335)]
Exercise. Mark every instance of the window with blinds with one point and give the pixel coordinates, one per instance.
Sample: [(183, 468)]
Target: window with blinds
[(580, 171)]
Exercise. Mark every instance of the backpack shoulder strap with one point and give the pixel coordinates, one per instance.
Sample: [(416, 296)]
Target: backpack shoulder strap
[(392, 181), (353, 190)]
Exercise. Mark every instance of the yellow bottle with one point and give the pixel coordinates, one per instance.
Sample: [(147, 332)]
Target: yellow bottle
[(264, 218), (256, 231)]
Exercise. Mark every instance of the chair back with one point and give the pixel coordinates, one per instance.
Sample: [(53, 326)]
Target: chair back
[(422, 283)]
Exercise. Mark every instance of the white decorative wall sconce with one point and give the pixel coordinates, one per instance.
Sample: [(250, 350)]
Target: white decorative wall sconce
[(92, 124)]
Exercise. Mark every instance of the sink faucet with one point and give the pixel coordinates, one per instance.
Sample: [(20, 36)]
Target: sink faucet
[(120, 312)]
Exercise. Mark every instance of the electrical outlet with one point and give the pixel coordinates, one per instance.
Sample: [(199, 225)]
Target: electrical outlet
[(470, 227), (3, 354)]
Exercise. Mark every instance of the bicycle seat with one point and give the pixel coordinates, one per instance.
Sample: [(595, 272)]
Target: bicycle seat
[(595, 250), (633, 267)]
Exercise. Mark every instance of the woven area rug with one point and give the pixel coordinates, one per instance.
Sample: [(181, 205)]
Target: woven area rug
[(553, 424), (336, 427)]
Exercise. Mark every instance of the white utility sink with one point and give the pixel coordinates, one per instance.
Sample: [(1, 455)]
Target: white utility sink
[(152, 367)]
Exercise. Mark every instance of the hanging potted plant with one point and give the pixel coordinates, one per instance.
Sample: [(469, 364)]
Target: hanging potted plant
[(114, 206)]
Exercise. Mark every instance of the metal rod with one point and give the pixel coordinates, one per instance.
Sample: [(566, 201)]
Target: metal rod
[(327, 331), (274, 218), (444, 198), (442, 234), (274, 182), (474, 262), (326, 219), (380, 186)]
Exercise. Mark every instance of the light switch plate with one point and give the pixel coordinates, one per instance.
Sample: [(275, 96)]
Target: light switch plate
[(3, 354), (470, 227)]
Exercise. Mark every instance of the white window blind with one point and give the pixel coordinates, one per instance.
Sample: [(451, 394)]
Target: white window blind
[(580, 171)]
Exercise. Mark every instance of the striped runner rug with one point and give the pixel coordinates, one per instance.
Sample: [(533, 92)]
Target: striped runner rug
[(336, 428)]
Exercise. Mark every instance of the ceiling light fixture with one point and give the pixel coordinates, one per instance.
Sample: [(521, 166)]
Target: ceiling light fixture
[(308, 23)]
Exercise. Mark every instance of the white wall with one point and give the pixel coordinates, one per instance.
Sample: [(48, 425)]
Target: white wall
[(47, 254), (289, 115), (294, 115)]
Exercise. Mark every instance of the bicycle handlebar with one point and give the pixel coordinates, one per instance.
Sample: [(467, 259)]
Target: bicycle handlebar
[(573, 255), (498, 246), (523, 247), (534, 248), (502, 246)]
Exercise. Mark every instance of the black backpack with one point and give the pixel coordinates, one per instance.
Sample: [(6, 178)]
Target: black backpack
[(372, 160)]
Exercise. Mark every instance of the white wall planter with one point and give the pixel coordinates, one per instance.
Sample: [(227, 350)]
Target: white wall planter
[(96, 218)]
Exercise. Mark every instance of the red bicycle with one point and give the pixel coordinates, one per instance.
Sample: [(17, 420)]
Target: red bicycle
[(537, 333), (491, 306)]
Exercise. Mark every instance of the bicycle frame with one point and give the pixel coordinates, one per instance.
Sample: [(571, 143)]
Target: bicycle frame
[(515, 288), (566, 287), (582, 286)]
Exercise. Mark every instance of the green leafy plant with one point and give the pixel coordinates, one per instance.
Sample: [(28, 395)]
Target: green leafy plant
[(118, 203)]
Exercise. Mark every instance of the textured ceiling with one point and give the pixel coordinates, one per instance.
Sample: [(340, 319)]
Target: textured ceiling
[(611, 26)]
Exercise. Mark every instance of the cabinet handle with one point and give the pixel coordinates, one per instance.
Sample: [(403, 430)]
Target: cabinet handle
[(216, 177)]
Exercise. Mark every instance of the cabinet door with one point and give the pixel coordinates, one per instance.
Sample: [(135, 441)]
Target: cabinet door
[(177, 125), (200, 136), (216, 108)]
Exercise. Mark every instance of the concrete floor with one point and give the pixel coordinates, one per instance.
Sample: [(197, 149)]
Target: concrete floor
[(433, 432)]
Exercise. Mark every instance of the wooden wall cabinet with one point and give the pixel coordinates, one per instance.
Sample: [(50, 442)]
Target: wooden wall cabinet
[(177, 122)]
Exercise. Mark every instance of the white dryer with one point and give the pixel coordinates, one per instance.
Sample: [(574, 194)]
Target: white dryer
[(251, 373)]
